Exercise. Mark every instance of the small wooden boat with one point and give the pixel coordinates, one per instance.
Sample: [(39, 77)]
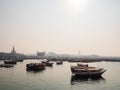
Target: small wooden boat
[(6, 65), (86, 71), (10, 62), (59, 62), (35, 66), (47, 63)]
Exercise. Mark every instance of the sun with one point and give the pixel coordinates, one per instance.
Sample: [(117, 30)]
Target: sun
[(77, 5)]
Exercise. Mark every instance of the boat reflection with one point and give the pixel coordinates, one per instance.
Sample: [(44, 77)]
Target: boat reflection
[(77, 80)]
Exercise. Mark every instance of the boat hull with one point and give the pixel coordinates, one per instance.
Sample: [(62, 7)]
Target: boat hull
[(88, 74), (47, 63), (59, 62), (6, 65), (35, 66)]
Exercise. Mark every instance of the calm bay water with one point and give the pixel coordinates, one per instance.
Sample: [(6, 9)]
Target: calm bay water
[(58, 77)]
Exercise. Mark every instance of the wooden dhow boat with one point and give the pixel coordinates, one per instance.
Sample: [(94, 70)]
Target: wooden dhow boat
[(47, 63), (10, 62), (35, 66), (6, 65), (59, 62), (86, 71)]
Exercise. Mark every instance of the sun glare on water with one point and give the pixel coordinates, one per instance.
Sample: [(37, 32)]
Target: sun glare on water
[(77, 5)]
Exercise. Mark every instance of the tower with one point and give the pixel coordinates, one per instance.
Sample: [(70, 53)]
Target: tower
[(13, 50)]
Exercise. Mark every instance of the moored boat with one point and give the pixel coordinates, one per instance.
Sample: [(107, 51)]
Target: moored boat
[(6, 65), (35, 66), (86, 71), (47, 63), (10, 62), (59, 62)]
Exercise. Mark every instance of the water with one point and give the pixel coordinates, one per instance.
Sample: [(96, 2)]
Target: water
[(58, 77)]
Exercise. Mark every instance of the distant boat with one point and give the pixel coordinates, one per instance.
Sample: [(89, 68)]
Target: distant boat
[(47, 63), (10, 62), (6, 65), (59, 62), (35, 66), (86, 71)]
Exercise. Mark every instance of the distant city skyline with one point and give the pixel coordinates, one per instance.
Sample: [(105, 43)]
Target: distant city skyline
[(60, 26)]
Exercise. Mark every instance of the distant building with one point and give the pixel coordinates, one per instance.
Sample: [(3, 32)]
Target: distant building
[(13, 50), (40, 53)]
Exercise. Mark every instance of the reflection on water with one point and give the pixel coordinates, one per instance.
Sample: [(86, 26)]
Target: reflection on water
[(77, 80)]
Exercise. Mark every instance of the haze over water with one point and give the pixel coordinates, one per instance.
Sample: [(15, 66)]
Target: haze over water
[(61, 26)]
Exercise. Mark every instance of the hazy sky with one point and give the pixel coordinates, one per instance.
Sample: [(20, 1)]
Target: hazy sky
[(61, 26)]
